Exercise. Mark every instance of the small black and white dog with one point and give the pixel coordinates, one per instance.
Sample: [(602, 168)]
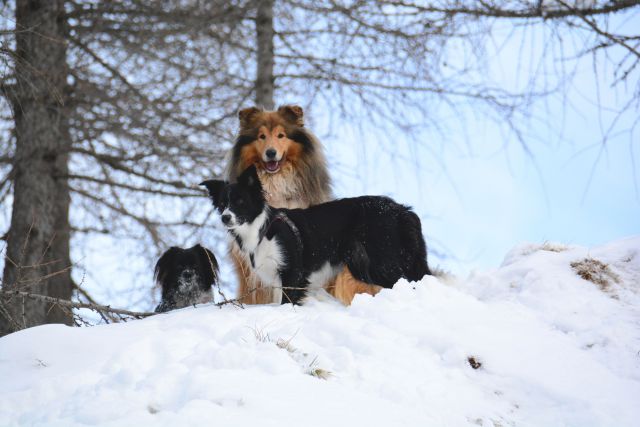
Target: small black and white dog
[(186, 277), (303, 249)]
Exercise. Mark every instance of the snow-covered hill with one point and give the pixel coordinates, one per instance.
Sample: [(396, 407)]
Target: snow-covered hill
[(550, 347)]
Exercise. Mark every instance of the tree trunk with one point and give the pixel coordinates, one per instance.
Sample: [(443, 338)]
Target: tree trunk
[(37, 258), (265, 80)]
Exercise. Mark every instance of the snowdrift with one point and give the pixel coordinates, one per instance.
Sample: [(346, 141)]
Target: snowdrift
[(553, 336)]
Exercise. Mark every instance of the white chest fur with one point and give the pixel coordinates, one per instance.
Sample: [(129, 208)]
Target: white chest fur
[(284, 190), (267, 260)]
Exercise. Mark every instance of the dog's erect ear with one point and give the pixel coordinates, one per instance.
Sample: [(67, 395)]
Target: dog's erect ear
[(292, 114), (215, 187), (245, 115), (249, 178)]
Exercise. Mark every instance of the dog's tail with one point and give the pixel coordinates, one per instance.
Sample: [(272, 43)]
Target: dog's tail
[(411, 234)]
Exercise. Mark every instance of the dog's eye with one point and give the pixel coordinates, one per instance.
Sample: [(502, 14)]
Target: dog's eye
[(281, 135), (263, 136), (240, 202)]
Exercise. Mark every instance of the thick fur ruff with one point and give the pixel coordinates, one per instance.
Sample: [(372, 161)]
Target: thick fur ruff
[(301, 179), (186, 277), (300, 250)]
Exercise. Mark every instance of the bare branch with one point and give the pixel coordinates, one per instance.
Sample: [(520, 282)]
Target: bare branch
[(72, 304)]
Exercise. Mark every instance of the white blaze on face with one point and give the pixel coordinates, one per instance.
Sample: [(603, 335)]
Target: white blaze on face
[(232, 222), (272, 144)]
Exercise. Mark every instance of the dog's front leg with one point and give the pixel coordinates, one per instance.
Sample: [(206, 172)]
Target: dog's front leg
[(293, 287), (294, 283)]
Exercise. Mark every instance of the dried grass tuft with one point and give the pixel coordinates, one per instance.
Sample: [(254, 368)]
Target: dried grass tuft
[(596, 272)]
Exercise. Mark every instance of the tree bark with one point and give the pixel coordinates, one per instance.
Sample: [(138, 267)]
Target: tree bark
[(37, 257), (265, 80)]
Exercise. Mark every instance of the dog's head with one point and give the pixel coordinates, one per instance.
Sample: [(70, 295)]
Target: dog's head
[(271, 140), (185, 275), (240, 202)]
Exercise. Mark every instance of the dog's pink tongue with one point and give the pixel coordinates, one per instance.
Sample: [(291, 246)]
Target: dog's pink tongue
[(272, 165)]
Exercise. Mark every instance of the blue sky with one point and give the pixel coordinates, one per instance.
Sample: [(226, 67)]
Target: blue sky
[(485, 203), (479, 192)]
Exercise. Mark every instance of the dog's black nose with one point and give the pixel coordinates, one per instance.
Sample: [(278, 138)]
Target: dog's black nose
[(271, 153), (226, 218)]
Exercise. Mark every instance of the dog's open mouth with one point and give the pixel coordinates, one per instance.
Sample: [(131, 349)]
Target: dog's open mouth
[(272, 166)]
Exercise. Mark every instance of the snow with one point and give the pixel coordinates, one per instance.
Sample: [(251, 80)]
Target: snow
[(555, 349)]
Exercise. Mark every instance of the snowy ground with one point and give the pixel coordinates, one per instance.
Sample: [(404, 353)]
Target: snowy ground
[(555, 350)]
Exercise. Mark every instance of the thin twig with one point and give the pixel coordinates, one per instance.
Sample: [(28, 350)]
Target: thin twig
[(73, 304)]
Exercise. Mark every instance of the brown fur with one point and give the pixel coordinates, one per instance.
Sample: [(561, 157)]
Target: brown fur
[(301, 181), (345, 287)]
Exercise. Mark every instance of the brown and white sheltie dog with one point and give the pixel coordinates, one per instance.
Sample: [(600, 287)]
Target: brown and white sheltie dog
[(293, 173)]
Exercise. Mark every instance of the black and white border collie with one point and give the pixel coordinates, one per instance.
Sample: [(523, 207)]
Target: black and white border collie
[(300, 250), (186, 277)]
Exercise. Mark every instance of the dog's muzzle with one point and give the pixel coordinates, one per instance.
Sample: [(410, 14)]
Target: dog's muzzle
[(271, 161)]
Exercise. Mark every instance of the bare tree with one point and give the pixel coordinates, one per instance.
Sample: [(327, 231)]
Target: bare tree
[(117, 107), (39, 234), (265, 31), (135, 101), (399, 60)]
